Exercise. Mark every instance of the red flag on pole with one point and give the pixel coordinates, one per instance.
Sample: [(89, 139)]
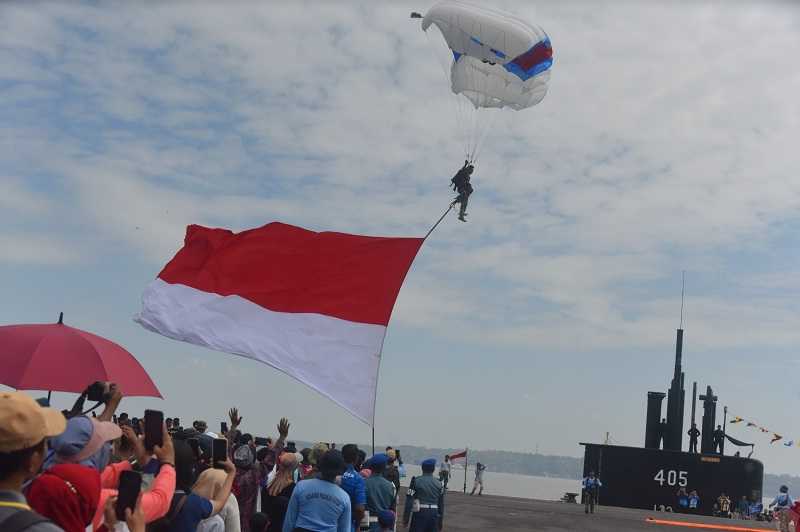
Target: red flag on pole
[(457, 456), (312, 305)]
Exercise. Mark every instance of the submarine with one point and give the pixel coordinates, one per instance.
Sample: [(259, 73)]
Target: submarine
[(650, 477)]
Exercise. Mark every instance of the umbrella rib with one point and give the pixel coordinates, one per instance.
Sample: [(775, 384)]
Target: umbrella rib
[(29, 365)]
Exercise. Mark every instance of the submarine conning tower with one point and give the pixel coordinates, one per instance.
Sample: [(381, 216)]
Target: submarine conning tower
[(670, 432)]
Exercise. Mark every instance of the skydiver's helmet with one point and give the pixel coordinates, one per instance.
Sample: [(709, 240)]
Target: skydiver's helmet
[(470, 168), (784, 489)]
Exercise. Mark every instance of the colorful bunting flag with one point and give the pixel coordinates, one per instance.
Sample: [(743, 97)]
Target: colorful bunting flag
[(775, 436)]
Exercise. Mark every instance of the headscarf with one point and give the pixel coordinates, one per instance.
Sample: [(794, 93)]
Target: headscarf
[(67, 494), (244, 457), (285, 475)]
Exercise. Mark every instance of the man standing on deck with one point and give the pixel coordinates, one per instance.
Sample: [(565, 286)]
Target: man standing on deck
[(479, 469), (444, 471), (719, 439), (591, 488), (425, 501), (693, 433), (662, 433)]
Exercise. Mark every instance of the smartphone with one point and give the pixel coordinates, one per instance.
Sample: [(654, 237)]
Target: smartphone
[(223, 427), (194, 443), (153, 429), (130, 484), (262, 442), (219, 452)]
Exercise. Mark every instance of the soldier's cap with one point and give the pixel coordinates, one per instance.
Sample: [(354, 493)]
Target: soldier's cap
[(380, 459), (24, 423), (429, 463)]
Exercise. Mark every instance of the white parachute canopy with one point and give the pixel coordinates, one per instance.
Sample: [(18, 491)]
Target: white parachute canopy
[(499, 61)]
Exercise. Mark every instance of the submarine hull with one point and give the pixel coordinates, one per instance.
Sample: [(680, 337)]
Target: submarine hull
[(649, 479)]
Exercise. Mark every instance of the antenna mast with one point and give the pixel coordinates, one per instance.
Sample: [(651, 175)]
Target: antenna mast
[(683, 290)]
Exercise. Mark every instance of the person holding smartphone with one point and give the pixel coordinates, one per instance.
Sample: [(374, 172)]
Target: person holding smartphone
[(155, 502), (190, 508)]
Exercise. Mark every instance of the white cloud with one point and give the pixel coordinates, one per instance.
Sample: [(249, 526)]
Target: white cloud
[(21, 248), (666, 142)]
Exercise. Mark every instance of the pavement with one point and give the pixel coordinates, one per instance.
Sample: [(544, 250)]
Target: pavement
[(491, 513)]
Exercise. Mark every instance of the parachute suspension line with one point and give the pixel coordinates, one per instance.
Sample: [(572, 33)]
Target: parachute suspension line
[(450, 208), (489, 125), (456, 99)]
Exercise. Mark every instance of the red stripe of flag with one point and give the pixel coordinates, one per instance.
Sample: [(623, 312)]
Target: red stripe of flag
[(462, 454), (284, 268)]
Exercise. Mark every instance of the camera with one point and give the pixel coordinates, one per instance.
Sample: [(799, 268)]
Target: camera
[(99, 392)]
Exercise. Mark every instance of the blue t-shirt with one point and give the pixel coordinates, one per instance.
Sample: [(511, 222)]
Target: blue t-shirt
[(354, 485), (318, 505), (194, 510)]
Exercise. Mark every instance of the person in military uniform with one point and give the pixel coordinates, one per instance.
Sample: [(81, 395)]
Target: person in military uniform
[(693, 433), (425, 501), (381, 494), (461, 184), (719, 439)]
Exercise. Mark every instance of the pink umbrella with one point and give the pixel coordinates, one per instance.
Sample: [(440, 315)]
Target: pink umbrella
[(57, 357)]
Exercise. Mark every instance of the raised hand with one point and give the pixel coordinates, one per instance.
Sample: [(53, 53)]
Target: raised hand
[(236, 419), (166, 452), (138, 446), (283, 428)]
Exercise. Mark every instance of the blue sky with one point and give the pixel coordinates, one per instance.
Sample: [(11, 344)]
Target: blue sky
[(667, 142)]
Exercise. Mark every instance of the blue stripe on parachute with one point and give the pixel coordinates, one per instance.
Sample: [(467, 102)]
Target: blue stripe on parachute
[(525, 75)]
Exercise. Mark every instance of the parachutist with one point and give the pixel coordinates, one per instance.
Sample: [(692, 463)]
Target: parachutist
[(461, 184)]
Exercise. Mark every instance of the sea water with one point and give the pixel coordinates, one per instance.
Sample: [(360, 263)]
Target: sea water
[(507, 484)]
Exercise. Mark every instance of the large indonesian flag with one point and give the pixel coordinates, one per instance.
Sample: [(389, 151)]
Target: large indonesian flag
[(313, 305)]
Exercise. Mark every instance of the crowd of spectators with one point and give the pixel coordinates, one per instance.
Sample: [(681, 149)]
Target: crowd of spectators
[(76, 471)]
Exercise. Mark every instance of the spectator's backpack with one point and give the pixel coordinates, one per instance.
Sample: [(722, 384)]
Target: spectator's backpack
[(21, 521), (164, 524)]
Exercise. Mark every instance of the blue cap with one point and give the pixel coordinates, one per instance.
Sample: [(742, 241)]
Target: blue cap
[(380, 459), (85, 442), (430, 463), (386, 518)]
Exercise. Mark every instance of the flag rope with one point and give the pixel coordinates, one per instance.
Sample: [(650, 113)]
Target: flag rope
[(450, 208)]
